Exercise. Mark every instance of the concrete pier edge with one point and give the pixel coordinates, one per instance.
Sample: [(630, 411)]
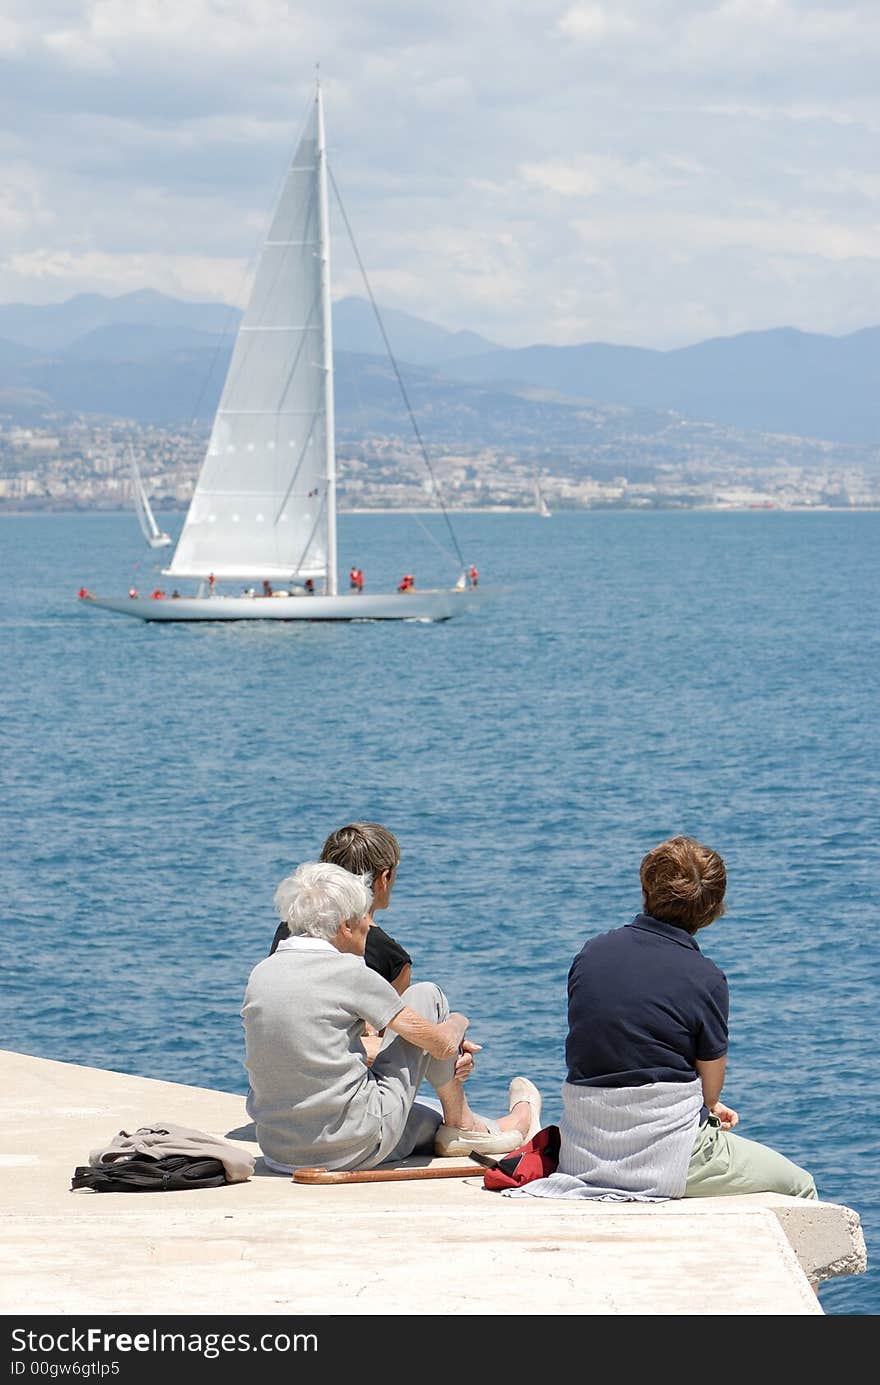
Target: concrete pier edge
[(271, 1247)]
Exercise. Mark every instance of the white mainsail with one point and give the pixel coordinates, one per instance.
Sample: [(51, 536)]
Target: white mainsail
[(263, 506)]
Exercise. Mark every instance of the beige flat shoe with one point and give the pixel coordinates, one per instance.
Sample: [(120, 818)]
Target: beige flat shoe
[(521, 1089), (450, 1141)]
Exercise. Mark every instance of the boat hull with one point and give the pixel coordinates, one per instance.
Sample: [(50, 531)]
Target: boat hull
[(440, 604)]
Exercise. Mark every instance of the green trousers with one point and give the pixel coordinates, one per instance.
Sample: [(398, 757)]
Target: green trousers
[(723, 1164)]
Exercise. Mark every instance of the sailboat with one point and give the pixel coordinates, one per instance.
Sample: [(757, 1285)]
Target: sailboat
[(263, 512), (541, 505), (146, 519)]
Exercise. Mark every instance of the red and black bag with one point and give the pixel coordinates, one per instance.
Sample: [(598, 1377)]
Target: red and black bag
[(537, 1158)]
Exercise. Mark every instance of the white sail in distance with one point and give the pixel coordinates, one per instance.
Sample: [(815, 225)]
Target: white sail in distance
[(260, 509), (146, 519)]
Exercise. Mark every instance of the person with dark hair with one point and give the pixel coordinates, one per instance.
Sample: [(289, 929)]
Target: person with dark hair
[(646, 1052), (371, 851)]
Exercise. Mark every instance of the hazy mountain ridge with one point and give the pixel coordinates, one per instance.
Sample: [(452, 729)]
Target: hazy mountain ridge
[(157, 359), (53, 327), (127, 341), (782, 380), (185, 387), (355, 329)]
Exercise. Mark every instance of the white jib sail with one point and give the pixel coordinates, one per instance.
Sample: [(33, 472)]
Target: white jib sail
[(259, 509)]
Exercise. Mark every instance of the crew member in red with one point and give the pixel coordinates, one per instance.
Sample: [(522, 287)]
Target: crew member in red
[(406, 583), (473, 575), (310, 586), (211, 582), (85, 594), (157, 595), (356, 580)]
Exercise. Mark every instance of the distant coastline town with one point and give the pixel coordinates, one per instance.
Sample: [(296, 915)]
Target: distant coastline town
[(81, 464), (778, 419)]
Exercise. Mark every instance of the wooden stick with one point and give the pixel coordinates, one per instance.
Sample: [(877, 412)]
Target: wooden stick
[(390, 1175)]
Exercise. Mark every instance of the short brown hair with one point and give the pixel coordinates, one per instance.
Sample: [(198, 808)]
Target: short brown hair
[(364, 848), (683, 883)]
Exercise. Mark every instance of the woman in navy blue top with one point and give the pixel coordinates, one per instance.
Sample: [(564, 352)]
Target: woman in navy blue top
[(646, 1054)]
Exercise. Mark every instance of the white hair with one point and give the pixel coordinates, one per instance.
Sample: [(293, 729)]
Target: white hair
[(319, 897)]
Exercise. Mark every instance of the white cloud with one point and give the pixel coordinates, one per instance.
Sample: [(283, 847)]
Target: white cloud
[(596, 23), (530, 169), (568, 179), (800, 236), (182, 276), (866, 118), (22, 206), (105, 29), (589, 176), (12, 36)]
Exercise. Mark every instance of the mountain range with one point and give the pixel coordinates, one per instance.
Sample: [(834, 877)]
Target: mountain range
[(160, 360)]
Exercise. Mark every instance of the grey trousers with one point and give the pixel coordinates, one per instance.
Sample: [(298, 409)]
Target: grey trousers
[(400, 1069), (724, 1164)]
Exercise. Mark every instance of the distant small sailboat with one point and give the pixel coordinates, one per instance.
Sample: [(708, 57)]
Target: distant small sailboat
[(146, 519), (541, 505)]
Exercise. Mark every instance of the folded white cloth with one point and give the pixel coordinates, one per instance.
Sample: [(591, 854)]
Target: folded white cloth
[(623, 1144)]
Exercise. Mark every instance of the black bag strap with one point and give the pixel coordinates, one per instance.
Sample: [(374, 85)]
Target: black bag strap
[(138, 1173)]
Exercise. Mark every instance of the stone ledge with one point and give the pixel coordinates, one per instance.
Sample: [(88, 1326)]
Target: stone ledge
[(428, 1247)]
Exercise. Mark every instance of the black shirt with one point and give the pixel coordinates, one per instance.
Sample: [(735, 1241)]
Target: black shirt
[(382, 953), (643, 1005)]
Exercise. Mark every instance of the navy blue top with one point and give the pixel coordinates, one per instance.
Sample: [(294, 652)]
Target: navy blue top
[(643, 1005)]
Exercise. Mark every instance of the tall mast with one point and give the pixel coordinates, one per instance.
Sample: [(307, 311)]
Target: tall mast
[(324, 251)]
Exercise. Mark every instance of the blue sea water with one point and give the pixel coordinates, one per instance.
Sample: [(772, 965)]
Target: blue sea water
[(637, 675)]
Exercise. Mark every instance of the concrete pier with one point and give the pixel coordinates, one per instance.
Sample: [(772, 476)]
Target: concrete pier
[(272, 1247)]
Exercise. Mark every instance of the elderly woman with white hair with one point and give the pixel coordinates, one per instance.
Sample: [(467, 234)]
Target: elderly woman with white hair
[(312, 1096)]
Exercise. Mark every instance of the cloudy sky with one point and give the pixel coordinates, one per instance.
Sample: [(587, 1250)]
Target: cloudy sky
[(648, 172)]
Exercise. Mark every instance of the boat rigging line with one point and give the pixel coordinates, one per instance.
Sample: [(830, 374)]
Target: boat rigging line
[(391, 357)]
